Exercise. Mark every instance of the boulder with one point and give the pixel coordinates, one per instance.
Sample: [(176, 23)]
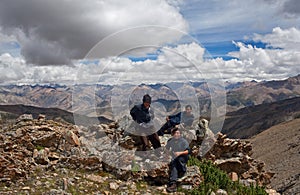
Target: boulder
[(71, 138), (41, 156), (24, 117)]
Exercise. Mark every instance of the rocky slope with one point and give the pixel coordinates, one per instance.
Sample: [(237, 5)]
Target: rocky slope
[(40, 156), (279, 148)]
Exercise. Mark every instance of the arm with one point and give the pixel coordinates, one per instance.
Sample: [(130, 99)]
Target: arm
[(151, 113), (186, 148), (185, 152), (133, 113), (175, 118)]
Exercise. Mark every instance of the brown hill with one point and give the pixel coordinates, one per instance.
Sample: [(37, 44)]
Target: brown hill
[(263, 92), (249, 121), (51, 113), (279, 148)]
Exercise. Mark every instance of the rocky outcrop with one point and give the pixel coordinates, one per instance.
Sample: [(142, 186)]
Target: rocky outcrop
[(32, 144), (39, 142), (29, 142), (234, 156)]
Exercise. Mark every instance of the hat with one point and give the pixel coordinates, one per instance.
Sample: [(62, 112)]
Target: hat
[(147, 98)]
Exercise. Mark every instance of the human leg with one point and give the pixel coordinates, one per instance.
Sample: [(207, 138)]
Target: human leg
[(164, 128), (172, 187), (154, 139), (181, 162), (177, 167), (173, 172), (146, 144)]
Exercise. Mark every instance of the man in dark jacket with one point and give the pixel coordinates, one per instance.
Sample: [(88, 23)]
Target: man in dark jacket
[(185, 118), (143, 116), (180, 150)]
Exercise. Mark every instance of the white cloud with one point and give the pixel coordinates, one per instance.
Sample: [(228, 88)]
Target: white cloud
[(11, 69), (288, 39), (269, 63), (178, 63), (173, 64), (183, 62), (6, 38), (170, 66), (55, 32), (182, 56)]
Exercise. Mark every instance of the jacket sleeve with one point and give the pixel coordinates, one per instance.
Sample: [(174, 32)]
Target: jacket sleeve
[(186, 146), (175, 119), (133, 113), (168, 144), (152, 114)]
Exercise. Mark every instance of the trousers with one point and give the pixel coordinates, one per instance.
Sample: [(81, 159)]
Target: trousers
[(153, 138), (177, 168)]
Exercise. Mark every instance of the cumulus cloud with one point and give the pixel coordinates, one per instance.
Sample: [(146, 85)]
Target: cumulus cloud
[(184, 62), (287, 39), (11, 69), (172, 64), (279, 60), (182, 56), (6, 38), (55, 32), (15, 70)]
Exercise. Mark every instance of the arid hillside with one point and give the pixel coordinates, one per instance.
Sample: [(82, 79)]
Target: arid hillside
[(250, 121), (279, 148)]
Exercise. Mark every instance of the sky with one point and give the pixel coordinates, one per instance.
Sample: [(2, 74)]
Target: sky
[(148, 41)]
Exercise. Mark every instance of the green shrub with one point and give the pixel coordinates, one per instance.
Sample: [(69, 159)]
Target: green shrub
[(38, 147), (135, 167), (215, 179)]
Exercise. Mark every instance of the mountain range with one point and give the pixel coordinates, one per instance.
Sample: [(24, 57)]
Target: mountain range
[(251, 106)]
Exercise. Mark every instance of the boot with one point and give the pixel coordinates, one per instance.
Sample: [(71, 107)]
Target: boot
[(172, 188)]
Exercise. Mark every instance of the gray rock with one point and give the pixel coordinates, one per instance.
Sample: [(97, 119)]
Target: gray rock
[(221, 192)]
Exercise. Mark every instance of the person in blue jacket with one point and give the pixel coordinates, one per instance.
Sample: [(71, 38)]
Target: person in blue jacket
[(185, 118)]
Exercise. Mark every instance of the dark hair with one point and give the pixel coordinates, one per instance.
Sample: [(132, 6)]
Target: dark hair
[(174, 130), (188, 106), (147, 98)]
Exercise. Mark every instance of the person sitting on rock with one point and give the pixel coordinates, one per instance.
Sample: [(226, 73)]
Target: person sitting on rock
[(143, 116), (185, 118), (180, 150)]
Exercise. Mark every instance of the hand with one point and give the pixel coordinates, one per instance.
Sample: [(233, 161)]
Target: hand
[(177, 154)]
